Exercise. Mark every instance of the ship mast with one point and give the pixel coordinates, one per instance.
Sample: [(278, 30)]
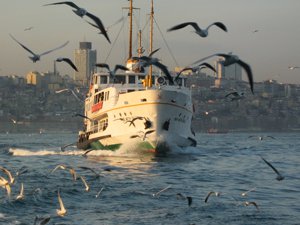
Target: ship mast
[(130, 30), (151, 42)]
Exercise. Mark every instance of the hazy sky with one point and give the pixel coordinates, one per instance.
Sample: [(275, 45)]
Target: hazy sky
[(269, 51)]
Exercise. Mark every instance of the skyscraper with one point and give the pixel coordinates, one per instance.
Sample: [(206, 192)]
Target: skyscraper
[(227, 74), (85, 60)]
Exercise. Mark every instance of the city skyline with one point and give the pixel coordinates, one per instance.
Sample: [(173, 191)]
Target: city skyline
[(262, 34)]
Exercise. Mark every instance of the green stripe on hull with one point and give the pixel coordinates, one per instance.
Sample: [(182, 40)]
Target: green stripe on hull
[(96, 145)]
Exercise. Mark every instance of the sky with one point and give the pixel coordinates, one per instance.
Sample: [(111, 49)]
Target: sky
[(269, 52)]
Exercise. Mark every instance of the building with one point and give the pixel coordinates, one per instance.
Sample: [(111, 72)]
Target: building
[(85, 60), (227, 75)]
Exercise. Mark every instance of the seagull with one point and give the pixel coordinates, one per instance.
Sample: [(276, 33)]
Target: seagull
[(147, 61), (83, 116), (73, 93), (4, 183), (64, 167), (28, 28), (198, 30), (112, 73), (98, 25), (255, 31), (246, 192), (62, 211), (67, 60), (210, 193), (77, 10), (90, 169), (36, 57), (99, 192), (235, 95), (21, 195), (231, 59), (42, 220), (195, 69), (279, 176), (83, 12), (158, 193), (87, 188), (294, 67), (189, 199), (8, 173), (261, 137), (251, 203)]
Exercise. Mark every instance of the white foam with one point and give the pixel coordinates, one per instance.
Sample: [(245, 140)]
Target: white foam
[(26, 152)]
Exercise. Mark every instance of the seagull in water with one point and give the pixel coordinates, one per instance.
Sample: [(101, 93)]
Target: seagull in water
[(83, 12), (198, 30), (36, 57), (231, 59), (279, 176), (67, 60)]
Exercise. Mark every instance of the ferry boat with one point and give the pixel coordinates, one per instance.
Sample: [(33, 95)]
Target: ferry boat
[(137, 106)]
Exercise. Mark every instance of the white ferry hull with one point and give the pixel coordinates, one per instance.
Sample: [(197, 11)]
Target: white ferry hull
[(152, 120)]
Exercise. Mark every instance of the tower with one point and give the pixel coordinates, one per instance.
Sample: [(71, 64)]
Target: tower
[(85, 60)]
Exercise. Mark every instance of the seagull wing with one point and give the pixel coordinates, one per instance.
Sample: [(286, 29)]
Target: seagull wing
[(72, 4), (231, 93), (207, 197), (23, 46), (208, 66), (182, 25), (270, 165), (61, 204), (69, 61), (99, 24), (88, 168), (120, 67), (153, 52), (87, 188), (104, 65), (205, 58), (184, 69), (61, 46), (248, 71), (220, 25), (8, 173), (164, 69)]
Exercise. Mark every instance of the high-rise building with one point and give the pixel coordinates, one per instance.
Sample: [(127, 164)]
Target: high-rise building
[(227, 74), (85, 60)]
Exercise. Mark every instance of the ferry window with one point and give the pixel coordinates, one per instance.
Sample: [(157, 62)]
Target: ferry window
[(120, 79), (141, 77), (107, 95), (179, 81), (103, 80), (143, 100), (131, 79), (101, 96)]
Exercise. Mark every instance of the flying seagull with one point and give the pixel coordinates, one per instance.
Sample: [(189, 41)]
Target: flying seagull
[(195, 69), (279, 176), (246, 192), (83, 12), (5, 184), (87, 188), (28, 28), (8, 173), (36, 57), (159, 192), (198, 30), (77, 10), (21, 194), (62, 211), (210, 193), (235, 95), (147, 61), (231, 59), (251, 203), (189, 199), (112, 73), (67, 60), (294, 67)]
